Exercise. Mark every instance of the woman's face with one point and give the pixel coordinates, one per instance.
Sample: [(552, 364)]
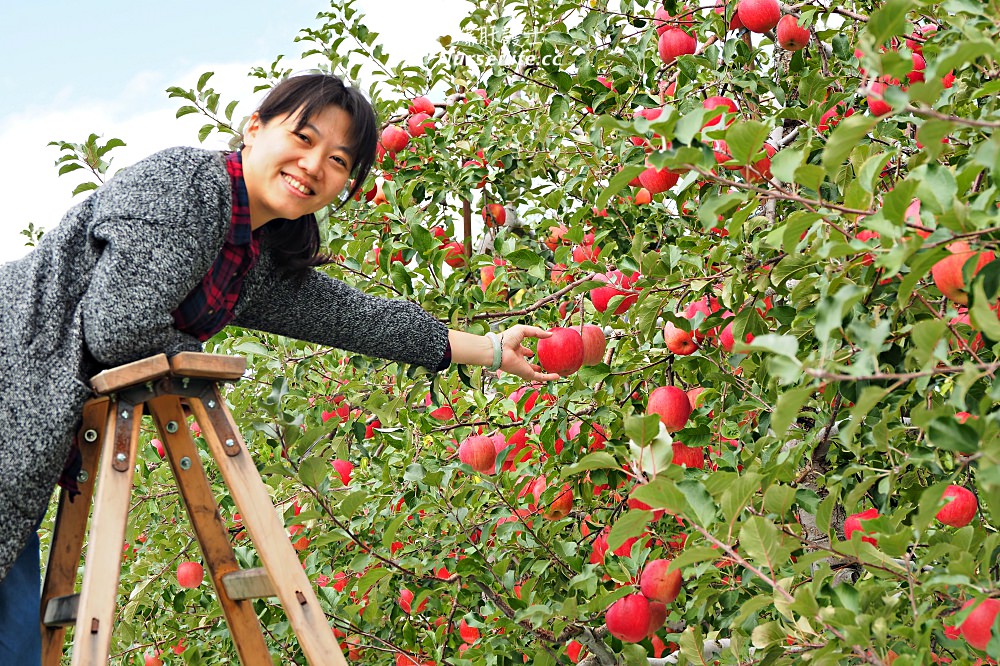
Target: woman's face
[(290, 171)]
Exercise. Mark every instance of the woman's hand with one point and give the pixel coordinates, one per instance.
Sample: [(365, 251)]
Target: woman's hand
[(515, 355)]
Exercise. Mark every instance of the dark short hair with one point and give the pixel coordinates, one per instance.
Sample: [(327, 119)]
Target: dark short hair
[(296, 243)]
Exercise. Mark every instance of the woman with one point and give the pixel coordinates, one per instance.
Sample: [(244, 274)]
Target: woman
[(162, 257)]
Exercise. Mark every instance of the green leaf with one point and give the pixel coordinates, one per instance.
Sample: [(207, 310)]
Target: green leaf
[(845, 138), (350, 504), (700, 501), (783, 345), (632, 524), (738, 495), (558, 107), (185, 110), (662, 493), (786, 162), (203, 79), (889, 20), (620, 180), (930, 134), (765, 543), (84, 187), (745, 140), (595, 460), (982, 316), (787, 408), (313, 471), (948, 434), (642, 429)]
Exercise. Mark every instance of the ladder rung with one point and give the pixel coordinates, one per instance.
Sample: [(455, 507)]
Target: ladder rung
[(248, 584), (61, 611)]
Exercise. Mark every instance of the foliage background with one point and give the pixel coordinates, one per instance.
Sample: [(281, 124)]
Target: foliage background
[(846, 399)]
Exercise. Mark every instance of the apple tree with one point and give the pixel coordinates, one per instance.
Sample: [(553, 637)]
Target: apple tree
[(781, 217)]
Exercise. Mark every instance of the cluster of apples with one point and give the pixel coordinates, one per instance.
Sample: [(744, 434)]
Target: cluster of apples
[(684, 343), (960, 508), (639, 615)]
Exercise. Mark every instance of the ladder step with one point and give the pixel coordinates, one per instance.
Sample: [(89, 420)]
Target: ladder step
[(61, 611), (248, 584)]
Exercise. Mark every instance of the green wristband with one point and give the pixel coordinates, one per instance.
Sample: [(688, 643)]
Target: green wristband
[(497, 351)]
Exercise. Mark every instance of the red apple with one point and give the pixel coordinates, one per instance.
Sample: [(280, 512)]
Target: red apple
[(562, 353), (190, 574), (761, 169), (394, 139), (977, 628), (494, 215), (790, 36), (657, 616), (594, 344), (343, 469), (618, 283), (643, 197), (421, 105), (877, 105), (659, 585), (628, 618), (479, 453), (832, 117), (726, 340), (406, 601), (678, 340), (158, 445), (454, 254), (658, 180), (853, 524), (692, 457), (671, 404), (418, 123), (723, 105), (153, 659), (961, 507), (947, 273), (561, 505), (759, 15), (675, 42)]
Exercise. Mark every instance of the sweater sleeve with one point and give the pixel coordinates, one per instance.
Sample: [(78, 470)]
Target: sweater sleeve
[(158, 229), (327, 311)]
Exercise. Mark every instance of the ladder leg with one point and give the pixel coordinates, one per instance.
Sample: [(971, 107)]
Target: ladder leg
[(92, 636), (69, 529), (267, 532), (209, 527)]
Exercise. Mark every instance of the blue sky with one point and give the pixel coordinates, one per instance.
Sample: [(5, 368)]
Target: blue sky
[(73, 68)]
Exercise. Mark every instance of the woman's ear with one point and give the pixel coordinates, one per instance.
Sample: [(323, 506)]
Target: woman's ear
[(252, 128)]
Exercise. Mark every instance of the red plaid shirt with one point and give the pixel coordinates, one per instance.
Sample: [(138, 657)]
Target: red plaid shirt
[(209, 306)]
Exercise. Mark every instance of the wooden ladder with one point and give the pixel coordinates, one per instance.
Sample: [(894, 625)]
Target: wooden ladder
[(108, 442)]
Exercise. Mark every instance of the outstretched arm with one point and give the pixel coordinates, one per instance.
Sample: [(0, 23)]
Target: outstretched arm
[(471, 349)]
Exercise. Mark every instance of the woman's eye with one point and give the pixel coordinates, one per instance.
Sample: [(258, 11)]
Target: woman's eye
[(302, 137), (341, 161)]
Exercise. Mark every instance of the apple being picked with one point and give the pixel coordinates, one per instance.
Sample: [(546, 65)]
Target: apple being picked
[(594, 344), (562, 353), (672, 406)]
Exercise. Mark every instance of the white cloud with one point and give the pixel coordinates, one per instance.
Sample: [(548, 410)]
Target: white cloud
[(143, 117)]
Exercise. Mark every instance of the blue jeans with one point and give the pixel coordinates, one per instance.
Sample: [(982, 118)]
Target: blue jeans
[(20, 603)]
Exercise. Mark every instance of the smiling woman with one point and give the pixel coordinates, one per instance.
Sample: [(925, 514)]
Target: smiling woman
[(165, 255)]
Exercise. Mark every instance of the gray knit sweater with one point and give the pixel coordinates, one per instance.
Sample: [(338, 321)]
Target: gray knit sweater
[(99, 290)]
